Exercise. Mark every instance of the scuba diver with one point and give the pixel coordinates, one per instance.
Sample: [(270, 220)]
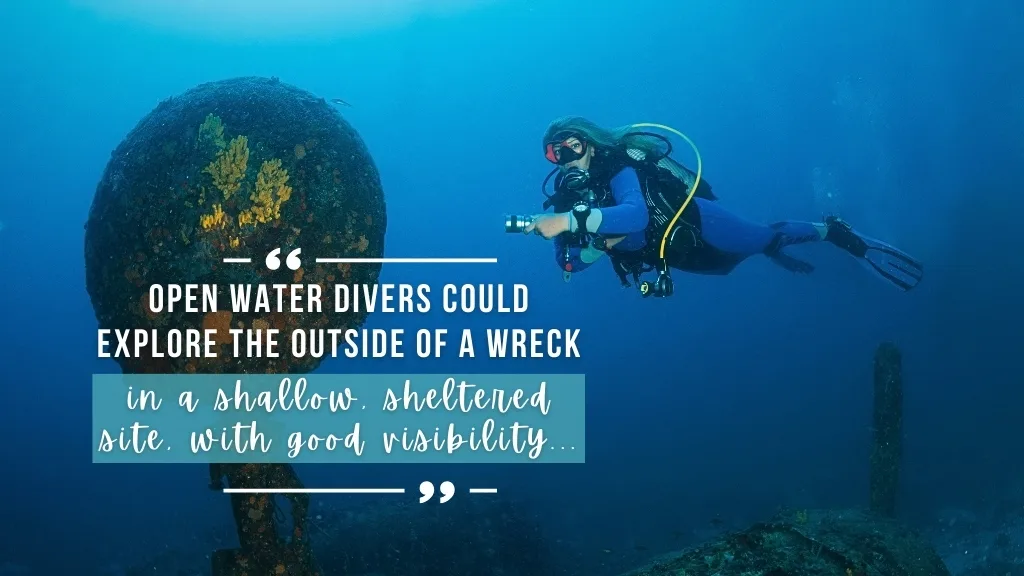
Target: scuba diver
[(618, 193)]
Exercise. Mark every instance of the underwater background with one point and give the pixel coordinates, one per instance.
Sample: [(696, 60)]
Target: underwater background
[(708, 411)]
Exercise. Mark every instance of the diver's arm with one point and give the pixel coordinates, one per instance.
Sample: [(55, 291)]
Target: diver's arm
[(628, 215)]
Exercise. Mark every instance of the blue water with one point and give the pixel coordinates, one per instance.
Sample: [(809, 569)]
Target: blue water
[(738, 396)]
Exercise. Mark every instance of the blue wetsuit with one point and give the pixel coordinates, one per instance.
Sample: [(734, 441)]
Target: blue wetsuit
[(729, 234)]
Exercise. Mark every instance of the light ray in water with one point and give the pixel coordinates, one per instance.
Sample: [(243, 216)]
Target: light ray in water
[(254, 19)]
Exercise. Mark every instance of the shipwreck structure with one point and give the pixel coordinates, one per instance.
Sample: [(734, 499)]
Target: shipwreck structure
[(200, 192), (828, 542)]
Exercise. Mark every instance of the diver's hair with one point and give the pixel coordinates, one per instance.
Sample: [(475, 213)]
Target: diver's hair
[(611, 140)]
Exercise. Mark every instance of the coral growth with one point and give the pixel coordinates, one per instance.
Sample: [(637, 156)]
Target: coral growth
[(228, 169), (212, 130), (215, 220), (221, 322), (271, 192)]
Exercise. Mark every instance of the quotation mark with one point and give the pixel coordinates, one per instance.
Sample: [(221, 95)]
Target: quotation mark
[(427, 491), (291, 261)]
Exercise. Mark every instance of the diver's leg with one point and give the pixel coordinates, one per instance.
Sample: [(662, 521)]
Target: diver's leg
[(731, 233), (735, 235)]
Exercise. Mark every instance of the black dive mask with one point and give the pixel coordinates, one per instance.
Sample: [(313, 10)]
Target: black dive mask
[(560, 151)]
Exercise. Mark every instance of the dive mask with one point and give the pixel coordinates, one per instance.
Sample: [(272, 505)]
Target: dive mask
[(564, 148)]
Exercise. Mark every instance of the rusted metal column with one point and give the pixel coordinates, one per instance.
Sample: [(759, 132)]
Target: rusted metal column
[(887, 445), (261, 548)]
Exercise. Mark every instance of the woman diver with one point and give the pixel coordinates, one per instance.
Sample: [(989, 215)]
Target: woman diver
[(618, 193)]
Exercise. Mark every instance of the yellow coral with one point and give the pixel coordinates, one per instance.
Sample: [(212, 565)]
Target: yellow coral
[(235, 242), (212, 129), (272, 190), (228, 169), (216, 220)]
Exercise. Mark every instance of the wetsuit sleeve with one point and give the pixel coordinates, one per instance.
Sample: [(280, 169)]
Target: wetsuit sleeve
[(574, 260), (629, 214)]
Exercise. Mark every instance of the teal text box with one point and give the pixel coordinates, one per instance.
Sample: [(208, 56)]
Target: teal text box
[(369, 418)]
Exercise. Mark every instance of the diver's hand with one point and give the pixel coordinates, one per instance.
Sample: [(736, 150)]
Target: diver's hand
[(549, 225)]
